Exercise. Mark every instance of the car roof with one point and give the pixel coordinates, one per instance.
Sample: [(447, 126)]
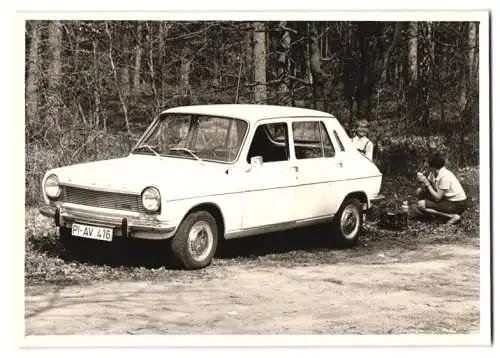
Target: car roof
[(248, 112)]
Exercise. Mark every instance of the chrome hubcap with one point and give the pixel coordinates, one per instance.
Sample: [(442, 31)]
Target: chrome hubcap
[(200, 241), (350, 222)]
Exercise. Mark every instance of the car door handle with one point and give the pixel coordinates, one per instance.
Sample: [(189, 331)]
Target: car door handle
[(295, 168), (339, 164)]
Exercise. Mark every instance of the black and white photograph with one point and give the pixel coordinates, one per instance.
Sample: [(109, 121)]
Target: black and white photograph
[(256, 175)]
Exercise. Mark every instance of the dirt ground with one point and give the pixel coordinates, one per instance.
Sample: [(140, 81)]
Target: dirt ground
[(434, 289)]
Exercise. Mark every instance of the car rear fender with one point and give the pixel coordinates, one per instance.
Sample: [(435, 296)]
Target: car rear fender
[(361, 196)]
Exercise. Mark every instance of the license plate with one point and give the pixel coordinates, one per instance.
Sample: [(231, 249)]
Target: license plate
[(92, 232)]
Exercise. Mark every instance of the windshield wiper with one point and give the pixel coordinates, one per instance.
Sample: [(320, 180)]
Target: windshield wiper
[(147, 146), (188, 151)]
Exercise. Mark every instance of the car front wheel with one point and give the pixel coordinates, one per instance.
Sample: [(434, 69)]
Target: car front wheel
[(195, 242), (348, 222)]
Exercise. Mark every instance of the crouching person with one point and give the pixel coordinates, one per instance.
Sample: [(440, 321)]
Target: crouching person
[(441, 194)]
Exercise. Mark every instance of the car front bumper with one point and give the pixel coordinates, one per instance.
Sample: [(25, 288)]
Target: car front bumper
[(126, 225)]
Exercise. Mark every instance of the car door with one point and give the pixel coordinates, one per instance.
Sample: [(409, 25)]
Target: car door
[(270, 186), (320, 170)]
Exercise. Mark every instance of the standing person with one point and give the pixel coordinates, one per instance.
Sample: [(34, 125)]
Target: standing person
[(442, 193), (361, 141)]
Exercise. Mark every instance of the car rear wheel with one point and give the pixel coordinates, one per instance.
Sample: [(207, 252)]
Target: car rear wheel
[(347, 223), (195, 242)]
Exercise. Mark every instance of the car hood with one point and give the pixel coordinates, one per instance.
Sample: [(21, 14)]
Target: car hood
[(177, 176)]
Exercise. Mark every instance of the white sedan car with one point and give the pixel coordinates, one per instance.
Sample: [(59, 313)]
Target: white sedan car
[(201, 174)]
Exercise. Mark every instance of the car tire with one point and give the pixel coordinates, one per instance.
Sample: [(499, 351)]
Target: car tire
[(195, 242), (347, 223)]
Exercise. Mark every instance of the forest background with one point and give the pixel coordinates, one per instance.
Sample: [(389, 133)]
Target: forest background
[(92, 87)]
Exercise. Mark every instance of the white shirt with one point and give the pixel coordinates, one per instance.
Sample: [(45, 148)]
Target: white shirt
[(448, 182), (364, 145)]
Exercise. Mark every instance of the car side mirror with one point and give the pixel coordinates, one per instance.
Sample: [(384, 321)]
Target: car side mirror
[(256, 161)]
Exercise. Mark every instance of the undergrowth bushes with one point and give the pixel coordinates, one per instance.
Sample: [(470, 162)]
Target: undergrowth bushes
[(405, 155), (68, 147)]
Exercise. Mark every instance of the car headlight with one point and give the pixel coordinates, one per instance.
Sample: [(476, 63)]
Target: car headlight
[(51, 187), (151, 199)]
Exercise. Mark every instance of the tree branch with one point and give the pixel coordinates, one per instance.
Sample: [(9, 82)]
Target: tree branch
[(190, 35), (306, 82)]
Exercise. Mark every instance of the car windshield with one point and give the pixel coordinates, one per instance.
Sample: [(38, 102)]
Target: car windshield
[(196, 137)]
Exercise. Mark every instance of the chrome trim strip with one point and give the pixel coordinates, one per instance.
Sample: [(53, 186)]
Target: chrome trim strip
[(102, 211), (277, 227)]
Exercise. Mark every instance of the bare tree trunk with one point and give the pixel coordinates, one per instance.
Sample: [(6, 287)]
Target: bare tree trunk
[(468, 95), (440, 63), (185, 72), (349, 73), (429, 70), (260, 63), (395, 41), (115, 76), (151, 65), (55, 44), (413, 70), (96, 87), (138, 59), (32, 89), (248, 52), (413, 53), (474, 75), (162, 47), (284, 64), (164, 29), (307, 57), (366, 60), (318, 75), (239, 81), (466, 83), (466, 71), (125, 73), (427, 75), (476, 52), (216, 77), (463, 93), (472, 51), (76, 54), (432, 44)]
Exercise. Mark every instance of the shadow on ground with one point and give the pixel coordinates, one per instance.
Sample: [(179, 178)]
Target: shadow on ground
[(155, 254), (303, 245)]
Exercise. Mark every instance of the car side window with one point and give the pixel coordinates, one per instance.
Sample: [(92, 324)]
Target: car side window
[(270, 141), (311, 140)]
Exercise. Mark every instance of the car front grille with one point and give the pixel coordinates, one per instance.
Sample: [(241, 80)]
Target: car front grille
[(101, 199)]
